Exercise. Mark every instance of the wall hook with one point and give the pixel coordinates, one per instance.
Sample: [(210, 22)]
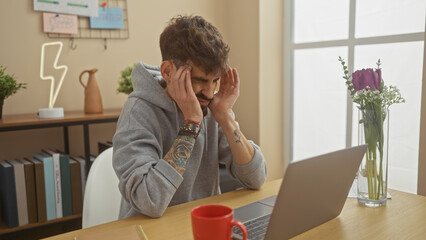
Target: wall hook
[(73, 45), (105, 43)]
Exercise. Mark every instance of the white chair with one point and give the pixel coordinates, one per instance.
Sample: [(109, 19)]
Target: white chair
[(101, 197)]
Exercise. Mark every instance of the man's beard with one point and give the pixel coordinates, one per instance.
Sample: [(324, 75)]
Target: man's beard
[(204, 109)]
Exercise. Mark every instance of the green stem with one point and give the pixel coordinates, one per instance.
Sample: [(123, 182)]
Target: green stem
[(374, 173), (373, 120), (380, 146)]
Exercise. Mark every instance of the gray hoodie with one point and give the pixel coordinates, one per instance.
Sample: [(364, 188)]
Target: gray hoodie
[(146, 130)]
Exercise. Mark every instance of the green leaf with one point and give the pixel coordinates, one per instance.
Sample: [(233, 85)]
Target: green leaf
[(8, 84), (125, 82)]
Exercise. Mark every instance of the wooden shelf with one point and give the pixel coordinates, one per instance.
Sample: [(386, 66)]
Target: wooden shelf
[(4, 229), (71, 118), (31, 120)]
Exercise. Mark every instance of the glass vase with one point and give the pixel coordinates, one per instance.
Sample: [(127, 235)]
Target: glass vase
[(373, 130)]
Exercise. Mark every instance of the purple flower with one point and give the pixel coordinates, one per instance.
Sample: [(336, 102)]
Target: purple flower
[(367, 77)]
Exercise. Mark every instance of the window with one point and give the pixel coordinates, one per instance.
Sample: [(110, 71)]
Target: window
[(322, 116)]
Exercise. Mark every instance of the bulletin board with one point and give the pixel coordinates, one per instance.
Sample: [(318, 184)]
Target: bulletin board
[(85, 32)]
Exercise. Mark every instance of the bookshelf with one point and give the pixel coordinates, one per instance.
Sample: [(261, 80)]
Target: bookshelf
[(71, 118), (31, 121), (19, 232)]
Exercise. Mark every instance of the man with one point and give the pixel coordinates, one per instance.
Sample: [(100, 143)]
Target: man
[(174, 130)]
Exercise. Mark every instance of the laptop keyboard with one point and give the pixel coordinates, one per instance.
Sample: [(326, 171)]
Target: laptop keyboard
[(256, 228)]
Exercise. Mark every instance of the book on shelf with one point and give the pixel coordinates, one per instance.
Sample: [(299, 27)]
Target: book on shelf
[(82, 163), (58, 187), (57, 181), (64, 161), (31, 190), (8, 195), (49, 185), (40, 189), (76, 192), (66, 184), (21, 191)]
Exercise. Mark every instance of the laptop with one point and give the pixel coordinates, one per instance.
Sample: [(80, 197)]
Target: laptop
[(313, 191)]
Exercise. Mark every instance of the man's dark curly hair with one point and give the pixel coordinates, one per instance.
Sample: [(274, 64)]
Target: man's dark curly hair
[(193, 39)]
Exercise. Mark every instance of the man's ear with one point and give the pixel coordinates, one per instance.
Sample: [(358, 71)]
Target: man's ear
[(167, 69)]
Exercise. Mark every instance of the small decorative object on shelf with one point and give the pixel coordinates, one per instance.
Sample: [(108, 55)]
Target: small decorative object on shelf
[(92, 95), (8, 87), (373, 98), (52, 112), (125, 84)]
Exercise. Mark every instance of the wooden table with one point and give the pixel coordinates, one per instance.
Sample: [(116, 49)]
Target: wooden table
[(404, 217)]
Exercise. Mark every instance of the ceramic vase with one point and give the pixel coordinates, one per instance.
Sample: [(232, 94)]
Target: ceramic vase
[(92, 95)]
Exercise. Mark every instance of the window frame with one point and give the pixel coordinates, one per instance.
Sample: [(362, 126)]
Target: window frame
[(351, 42)]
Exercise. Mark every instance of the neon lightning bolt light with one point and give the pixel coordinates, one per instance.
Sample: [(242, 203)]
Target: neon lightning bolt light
[(52, 112)]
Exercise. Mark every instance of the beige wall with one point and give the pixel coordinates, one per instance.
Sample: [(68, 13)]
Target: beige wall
[(243, 38), (241, 23), (271, 85), (421, 178), (255, 34)]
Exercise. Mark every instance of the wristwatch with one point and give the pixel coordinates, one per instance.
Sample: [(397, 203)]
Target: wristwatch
[(189, 129)]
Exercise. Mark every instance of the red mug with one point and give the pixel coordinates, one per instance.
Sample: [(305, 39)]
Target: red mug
[(214, 222)]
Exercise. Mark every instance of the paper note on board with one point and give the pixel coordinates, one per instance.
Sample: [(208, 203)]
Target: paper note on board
[(77, 7), (109, 18), (60, 23)]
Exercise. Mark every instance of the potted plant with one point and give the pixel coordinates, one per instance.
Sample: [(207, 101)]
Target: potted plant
[(8, 87), (125, 83)]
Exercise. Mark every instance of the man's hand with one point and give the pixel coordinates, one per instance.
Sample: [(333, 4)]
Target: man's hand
[(227, 95), (221, 107), (182, 93)]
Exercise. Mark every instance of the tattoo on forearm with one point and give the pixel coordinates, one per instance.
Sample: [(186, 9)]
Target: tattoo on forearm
[(238, 136), (179, 153), (181, 150)]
